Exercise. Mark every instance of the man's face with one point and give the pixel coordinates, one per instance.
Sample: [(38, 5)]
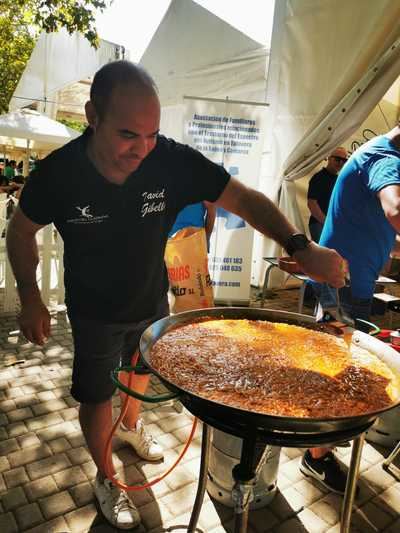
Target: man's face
[(336, 160), (127, 132)]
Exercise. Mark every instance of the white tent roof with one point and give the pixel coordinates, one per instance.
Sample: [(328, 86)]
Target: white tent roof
[(43, 133), (195, 53), (57, 61), (192, 52), (324, 80)]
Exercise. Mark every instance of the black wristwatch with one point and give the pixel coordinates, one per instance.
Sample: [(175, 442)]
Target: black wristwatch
[(296, 243)]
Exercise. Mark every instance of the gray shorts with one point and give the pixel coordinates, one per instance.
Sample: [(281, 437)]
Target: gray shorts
[(99, 348)]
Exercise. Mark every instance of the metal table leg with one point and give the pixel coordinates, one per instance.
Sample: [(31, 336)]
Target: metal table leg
[(351, 484), (201, 487), (301, 296), (265, 286), (390, 458)]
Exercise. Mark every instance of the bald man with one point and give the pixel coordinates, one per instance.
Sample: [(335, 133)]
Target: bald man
[(114, 194), (320, 189)]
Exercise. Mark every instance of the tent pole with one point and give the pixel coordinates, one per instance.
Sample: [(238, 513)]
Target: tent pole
[(224, 100), (25, 169)]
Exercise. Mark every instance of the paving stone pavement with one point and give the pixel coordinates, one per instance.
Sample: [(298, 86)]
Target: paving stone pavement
[(46, 474)]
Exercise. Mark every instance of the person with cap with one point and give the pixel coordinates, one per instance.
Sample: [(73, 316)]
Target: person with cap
[(320, 189)]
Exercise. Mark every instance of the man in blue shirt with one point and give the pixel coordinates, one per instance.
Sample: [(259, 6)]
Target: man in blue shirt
[(362, 222), (363, 217)]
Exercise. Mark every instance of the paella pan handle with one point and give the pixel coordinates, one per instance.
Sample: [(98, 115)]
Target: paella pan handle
[(137, 395), (367, 327)]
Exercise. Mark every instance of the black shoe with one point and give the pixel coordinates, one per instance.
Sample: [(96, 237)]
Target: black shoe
[(326, 470)]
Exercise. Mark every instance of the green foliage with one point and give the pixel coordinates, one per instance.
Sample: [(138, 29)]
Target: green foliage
[(21, 21), (74, 124), (16, 45)]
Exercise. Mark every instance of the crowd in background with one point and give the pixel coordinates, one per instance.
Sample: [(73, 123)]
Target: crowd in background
[(11, 178)]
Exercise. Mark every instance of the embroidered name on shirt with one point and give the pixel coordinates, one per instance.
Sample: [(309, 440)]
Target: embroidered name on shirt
[(153, 202), (86, 216)]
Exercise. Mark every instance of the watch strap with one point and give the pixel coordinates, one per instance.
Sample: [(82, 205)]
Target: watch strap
[(296, 243)]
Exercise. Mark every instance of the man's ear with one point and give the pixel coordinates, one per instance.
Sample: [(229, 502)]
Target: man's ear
[(91, 115)]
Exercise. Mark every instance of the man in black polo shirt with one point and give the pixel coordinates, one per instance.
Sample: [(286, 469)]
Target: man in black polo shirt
[(320, 189), (113, 195)]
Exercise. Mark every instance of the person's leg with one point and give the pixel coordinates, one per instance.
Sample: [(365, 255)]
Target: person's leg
[(97, 351), (320, 463), (327, 296), (325, 469), (326, 301), (361, 311), (317, 453), (132, 429), (139, 383), (356, 308), (139, 380), (96, 424)]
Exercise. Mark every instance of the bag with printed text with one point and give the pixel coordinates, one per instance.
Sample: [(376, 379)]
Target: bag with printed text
[(187, 265)]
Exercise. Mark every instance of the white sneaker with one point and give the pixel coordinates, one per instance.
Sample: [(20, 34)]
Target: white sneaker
[(143, 443), (115, 505)]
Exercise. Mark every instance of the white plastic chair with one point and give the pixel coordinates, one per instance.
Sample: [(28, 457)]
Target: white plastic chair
[(3, 212), (3, 224)]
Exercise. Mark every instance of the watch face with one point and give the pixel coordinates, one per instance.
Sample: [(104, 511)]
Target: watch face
[(299, 242), (296, 243)]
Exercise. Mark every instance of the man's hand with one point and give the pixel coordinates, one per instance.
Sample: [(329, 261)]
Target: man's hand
[(322, 264), (34, 321)]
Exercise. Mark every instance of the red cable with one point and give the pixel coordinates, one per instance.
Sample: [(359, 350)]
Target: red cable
[(108, 464)]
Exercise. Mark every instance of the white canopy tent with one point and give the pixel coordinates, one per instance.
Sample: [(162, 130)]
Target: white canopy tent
[(57, 61), (324, 80), (35, 132), (193, 52), (331, 63), (42, 132), (207, 58), (209, 55)]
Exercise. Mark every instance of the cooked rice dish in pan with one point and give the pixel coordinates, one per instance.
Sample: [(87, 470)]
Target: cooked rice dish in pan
[(274, 368)]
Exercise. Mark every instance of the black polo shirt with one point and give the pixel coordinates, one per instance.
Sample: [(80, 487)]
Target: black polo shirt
[(115, 235), (320, 189)]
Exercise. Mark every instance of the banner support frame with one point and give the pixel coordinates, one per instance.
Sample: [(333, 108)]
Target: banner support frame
[(225, 100)]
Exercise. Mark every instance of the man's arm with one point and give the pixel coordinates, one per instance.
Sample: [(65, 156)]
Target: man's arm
[(210, 219), (321, 264), (315, 210), (22, 251), (390, 201)]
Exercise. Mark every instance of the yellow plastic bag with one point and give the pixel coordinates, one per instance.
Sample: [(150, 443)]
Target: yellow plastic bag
[(187, 265)]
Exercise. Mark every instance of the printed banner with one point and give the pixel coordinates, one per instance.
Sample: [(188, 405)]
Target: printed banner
[(231, 134)]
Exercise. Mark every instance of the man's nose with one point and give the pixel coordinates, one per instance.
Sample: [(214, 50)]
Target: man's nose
[(142, 147)]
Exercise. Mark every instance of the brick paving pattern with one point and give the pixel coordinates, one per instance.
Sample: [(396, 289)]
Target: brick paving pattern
[(46, 474)]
